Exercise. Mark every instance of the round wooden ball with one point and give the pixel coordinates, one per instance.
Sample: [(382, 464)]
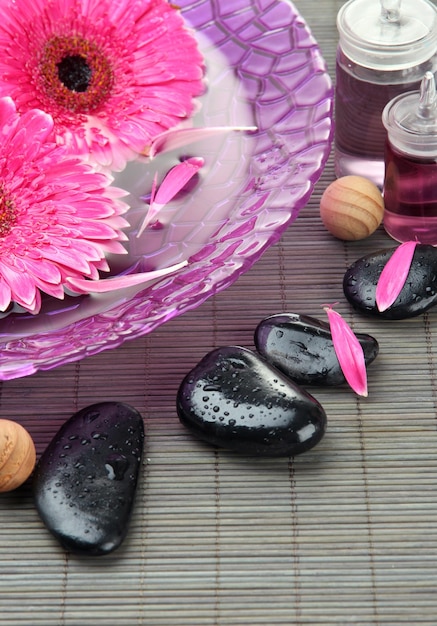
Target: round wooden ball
[(17, 455), (352, 208)]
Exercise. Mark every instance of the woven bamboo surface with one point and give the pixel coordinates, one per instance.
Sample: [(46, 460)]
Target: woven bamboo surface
[(344, 534)]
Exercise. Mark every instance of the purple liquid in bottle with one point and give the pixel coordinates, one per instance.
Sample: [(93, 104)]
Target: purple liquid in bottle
[(410, 185), (385, 48), (410, 195), (359, 131)]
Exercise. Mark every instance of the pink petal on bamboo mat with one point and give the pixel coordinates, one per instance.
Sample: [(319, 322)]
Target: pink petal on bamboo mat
[(394, 275), (349, 352), (83, 286), (173, 139), (173, 182)]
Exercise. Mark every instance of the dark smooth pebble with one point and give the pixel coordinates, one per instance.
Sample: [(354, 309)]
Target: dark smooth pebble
[(234, 399), (418, 294), (85, 482), (301, 346)]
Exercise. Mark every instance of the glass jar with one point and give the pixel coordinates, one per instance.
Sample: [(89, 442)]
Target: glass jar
[(410, 185), (385, 48)]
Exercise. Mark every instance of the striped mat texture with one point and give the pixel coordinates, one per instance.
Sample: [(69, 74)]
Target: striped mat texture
[(344, 534)]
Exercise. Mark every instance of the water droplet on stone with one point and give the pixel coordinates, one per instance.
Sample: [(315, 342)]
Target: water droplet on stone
[(208, 388), (116, 465), (98, 435)]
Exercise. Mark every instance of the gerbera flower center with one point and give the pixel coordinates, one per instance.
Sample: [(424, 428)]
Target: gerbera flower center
[(76, 73), (8, 212)]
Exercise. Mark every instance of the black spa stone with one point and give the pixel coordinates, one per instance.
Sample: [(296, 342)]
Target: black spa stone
[(417, 296), (233, 399), (301, 346), (85, 482)]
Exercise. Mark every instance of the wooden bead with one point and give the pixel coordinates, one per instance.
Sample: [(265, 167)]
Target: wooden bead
[(352, 208), (17, 455)]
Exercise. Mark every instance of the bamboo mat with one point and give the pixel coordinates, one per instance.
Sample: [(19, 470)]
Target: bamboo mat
[(344, 534)]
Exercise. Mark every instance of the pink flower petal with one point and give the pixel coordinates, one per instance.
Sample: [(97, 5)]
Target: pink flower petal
[(22, 285), (8, 114), (349, 352), (80, 285), (5, 295), (66, 256), (113, 247), (154, 189), (180, 137), (394, 275), (36, 127), (42, 269), (56, 291), (176, 178), (173, 182)]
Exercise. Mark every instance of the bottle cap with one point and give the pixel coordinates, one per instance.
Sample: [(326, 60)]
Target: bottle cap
[(388, 35), (411, 120)]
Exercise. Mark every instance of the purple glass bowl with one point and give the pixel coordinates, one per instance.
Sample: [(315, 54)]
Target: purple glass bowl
[(263, 69)]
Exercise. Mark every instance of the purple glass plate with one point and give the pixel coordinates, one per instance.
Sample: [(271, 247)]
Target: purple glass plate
[(263, 69)]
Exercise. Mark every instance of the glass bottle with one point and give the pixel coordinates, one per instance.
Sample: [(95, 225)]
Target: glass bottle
[(410, 185), (385, 48)]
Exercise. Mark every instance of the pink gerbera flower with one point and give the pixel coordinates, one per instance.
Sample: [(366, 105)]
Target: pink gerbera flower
[(58, 216), (112, 74)]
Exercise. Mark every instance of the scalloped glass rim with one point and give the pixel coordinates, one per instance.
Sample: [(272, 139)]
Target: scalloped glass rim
[(263, 57)]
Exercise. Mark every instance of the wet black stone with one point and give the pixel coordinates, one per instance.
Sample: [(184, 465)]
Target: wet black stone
[(301, 346), (418, 294), (85, 482), (233, 399)]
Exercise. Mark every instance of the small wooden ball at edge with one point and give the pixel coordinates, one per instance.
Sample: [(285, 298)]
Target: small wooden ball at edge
[(352, 208), (17, 455)]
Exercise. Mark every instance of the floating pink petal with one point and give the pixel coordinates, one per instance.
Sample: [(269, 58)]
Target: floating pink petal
[(112, 74), (82, 286), (180, 137), (173, 182), (394, 275), (349, 352), (151, 213)]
